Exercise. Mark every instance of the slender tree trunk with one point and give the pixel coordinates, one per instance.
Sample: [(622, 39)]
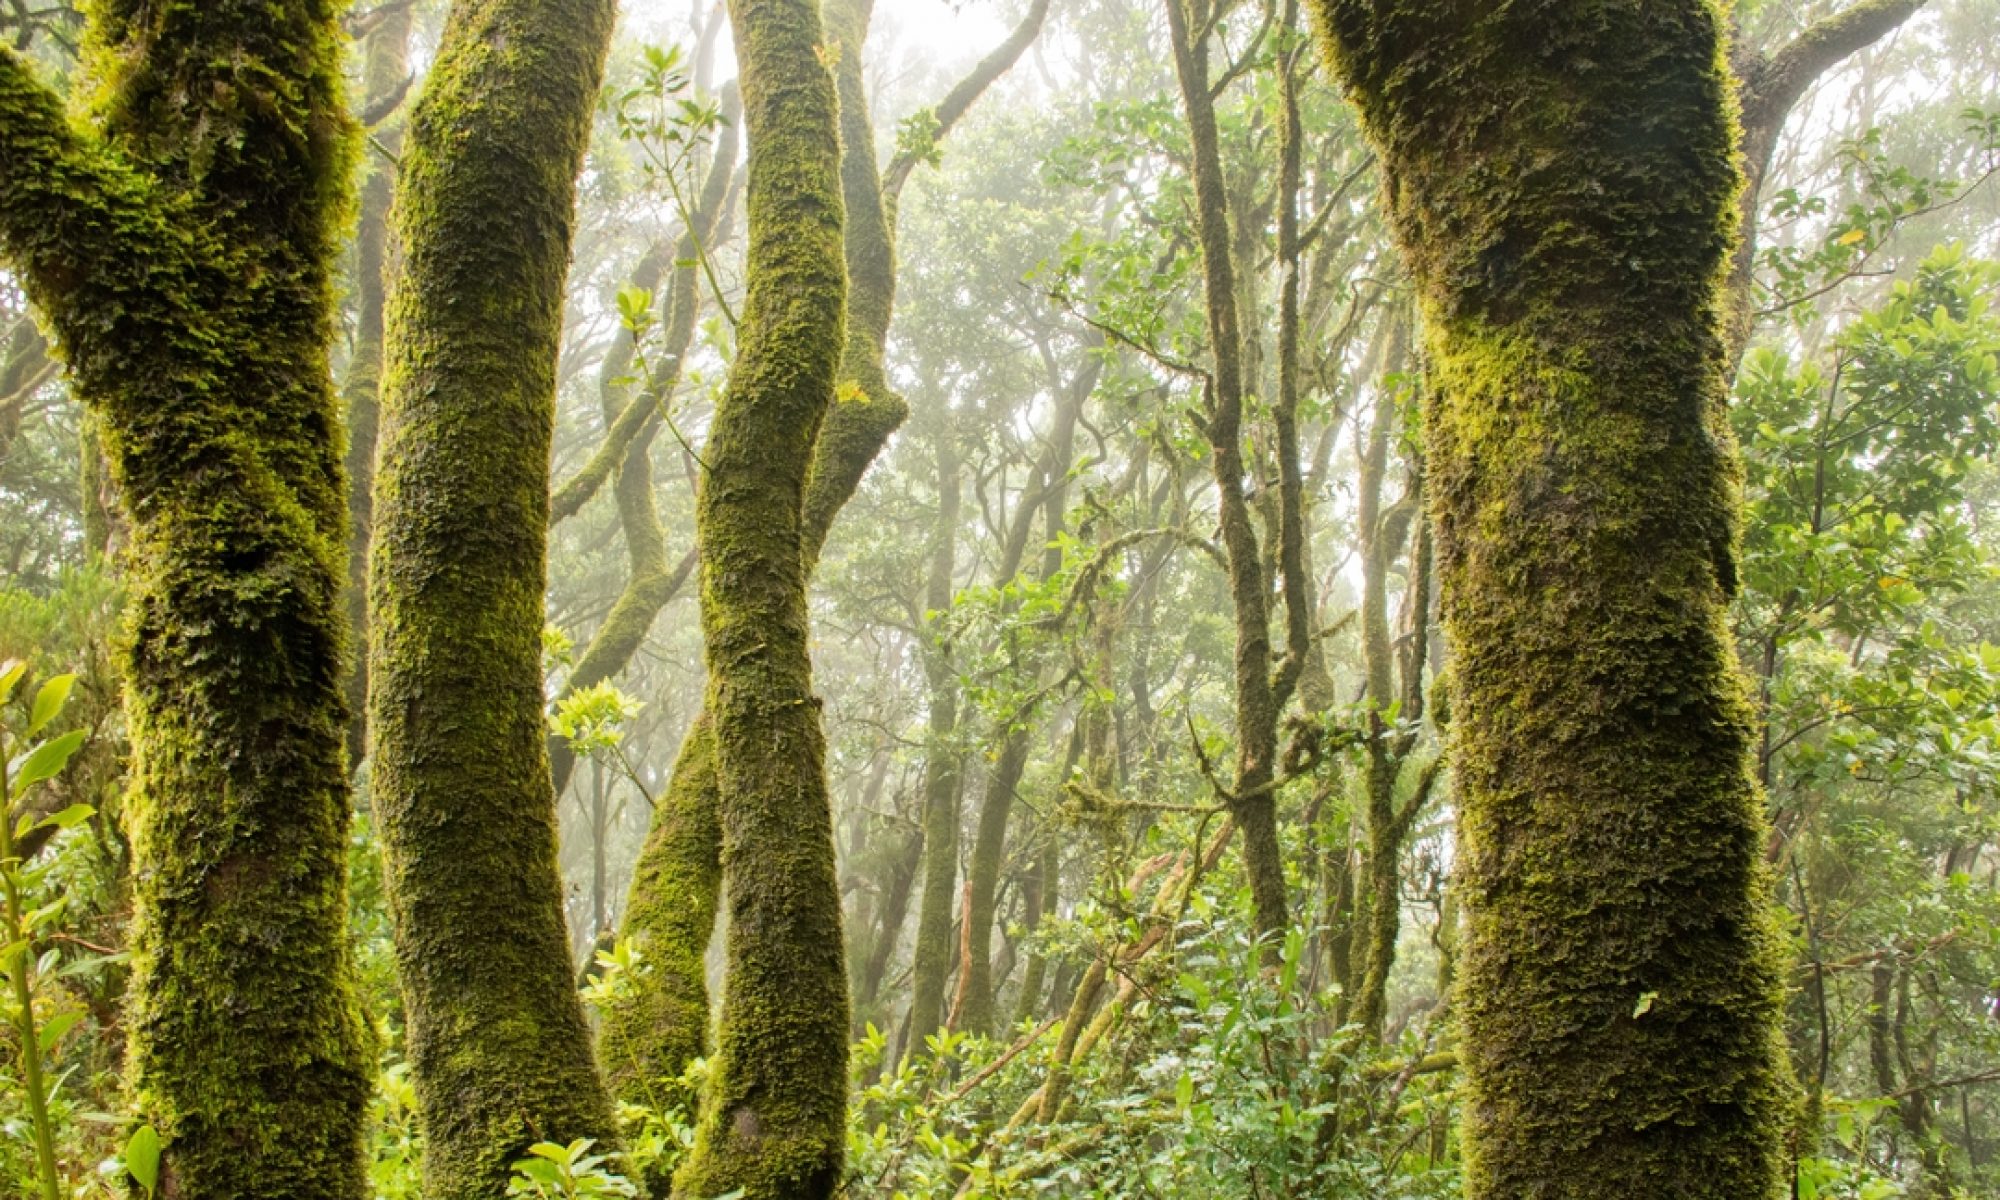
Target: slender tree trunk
[(990, 842), (1384, 531), (983, 878), (773, 1121), (1562, 180), (498, 1045), (180, 249), (934, 950), (1260, 697), (385, 78)]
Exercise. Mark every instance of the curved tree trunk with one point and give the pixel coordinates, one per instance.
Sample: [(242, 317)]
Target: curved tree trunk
[(498, 1045), (773, 1120), (180, 250), (1562, 180), (852, 434)]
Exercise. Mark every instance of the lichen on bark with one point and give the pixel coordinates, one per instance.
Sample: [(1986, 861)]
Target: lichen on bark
[(1562, 180)]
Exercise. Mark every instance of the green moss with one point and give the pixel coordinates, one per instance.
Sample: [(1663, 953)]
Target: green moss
[(181, 253), (773, 1122), (498, 1045), (660, 1024), (1563, 181)]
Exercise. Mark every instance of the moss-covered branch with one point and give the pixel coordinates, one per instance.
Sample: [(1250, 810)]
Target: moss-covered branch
[(963, 95), (498, 1044), (1562, 181)]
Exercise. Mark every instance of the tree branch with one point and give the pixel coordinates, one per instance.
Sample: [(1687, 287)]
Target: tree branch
[(960, 98)]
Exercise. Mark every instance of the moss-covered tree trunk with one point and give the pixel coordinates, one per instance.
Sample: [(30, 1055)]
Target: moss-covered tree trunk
[(773, 1119), (1562, 180), (937, 946), (180, 248), (498, 1045), (1260, 693), (852, 434), (385, 81)]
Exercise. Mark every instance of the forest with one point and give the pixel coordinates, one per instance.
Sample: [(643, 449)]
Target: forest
[(976, 599)]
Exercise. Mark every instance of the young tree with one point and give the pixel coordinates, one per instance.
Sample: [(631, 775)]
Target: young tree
[(498, 1044), (1563, 182), (1261, 692), (180, 247)]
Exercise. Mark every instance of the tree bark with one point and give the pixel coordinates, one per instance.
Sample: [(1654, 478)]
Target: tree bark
[(484, 211), (1562, 181), (180, 248)]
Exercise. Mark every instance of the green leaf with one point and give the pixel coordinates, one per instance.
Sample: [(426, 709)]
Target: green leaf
[(142, 1157), (46, 760), (49, 701), (57, 1025), (68, 818), (10, 675)]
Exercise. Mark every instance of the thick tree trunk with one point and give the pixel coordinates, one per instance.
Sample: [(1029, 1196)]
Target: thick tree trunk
[(1562, 179), (498, 1044), (773, 1121), (181, 253)]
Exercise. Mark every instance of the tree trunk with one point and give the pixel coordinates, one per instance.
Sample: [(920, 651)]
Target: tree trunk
[(773, 1121), (498, 1044), (1260, 697), (935, 944), (385, 79), (180, 249), (1562, 180)]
